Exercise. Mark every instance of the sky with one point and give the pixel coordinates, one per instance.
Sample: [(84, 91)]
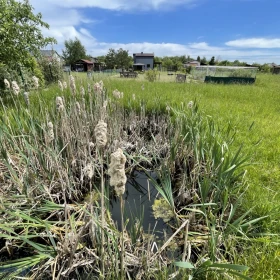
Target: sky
[(246, 30)]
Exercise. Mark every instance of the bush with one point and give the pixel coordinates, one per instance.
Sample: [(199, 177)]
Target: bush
[(151, 75), (51, 70)]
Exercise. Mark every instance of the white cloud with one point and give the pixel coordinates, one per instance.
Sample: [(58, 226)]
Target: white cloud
[(261, 43), (119, 5)]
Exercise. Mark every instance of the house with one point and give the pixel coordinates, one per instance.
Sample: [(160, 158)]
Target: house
[(193, 63), (97, 65), (50, 55), (83, 65), (276, 69), (143, 61)]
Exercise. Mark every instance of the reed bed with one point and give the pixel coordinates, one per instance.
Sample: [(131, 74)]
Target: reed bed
[(78, 139)]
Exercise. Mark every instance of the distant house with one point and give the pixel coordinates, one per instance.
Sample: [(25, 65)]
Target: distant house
[(276, 69), (143, 61), (83, 65), (193, 63), (97, 65), (50, 55)]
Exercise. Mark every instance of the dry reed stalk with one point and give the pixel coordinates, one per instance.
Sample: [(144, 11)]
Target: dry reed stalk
[(118, 180), (101, 140), (169, 240)]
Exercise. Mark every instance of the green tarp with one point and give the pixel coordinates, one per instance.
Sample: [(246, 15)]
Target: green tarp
[(229, 80)]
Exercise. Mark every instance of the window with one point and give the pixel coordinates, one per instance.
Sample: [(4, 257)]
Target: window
[(148, 65)]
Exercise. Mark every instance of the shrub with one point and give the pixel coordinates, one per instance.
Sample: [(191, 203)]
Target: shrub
[(51, 70), (151, 75)]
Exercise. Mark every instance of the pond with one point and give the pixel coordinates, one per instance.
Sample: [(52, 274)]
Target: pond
[(139, 197)]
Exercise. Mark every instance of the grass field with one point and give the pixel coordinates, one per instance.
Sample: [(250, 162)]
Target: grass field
[(250, 111)]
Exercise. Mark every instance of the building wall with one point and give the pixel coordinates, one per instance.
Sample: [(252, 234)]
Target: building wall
[(145, 60)]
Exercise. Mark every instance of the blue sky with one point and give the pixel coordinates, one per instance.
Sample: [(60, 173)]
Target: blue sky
[(247, 30)]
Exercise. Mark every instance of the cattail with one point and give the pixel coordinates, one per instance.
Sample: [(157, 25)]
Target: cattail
[(121, 94), (35, 82), (100, 132), (117, 172), (101, 85), (59, 104), (143, 87), (91, 147), (50, 133), (72, 84), (60, 85), (65, 85), (190, 104), (82, 91), (97, 88), (133, 96), (89, 88), (167, 108), (104, 109), (26, 98), (116, 94), (7, 84), (78, 107), (15, 88), (88, 171)]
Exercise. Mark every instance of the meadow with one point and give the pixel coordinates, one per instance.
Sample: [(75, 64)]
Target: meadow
[(216, 152)]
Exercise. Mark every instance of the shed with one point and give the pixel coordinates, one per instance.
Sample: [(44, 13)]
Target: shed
[(83, 65)]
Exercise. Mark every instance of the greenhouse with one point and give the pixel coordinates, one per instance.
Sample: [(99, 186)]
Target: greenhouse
[(225, 74)]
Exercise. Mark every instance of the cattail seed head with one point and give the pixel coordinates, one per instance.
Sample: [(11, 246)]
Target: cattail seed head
[(88, 171), (100, 132), (116, 94), (78, 107), (7, 84), (82, 91), (89, 88), (65, 85), (72, 85), (59, 104), (50, 133), (26, 98), (60, 85), (117, 172), (190, 104), (97, 88), (15, 88), (35, 82)]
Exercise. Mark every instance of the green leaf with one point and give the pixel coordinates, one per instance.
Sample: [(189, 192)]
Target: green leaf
[(236, 267), (186, 265)]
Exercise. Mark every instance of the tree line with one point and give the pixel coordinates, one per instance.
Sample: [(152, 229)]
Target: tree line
[(74, 50)]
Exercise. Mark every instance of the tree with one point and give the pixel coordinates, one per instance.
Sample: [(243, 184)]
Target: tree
[(198, 59), (122, 59), (203, 60), (20, 33), (74, 50), (212, 61), (110, 59)]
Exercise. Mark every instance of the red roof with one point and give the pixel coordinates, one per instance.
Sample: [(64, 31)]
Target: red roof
[(86, 61)]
